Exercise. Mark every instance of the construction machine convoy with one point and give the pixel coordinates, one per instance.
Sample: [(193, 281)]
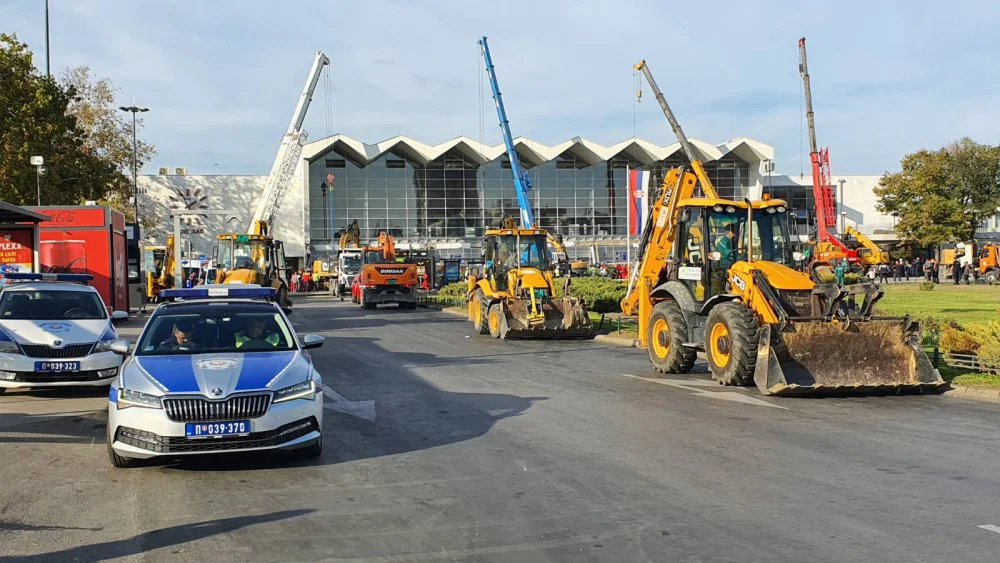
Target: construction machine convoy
[(982, 259), (989, 263), (718, 276), (515, 296), (384, 279)]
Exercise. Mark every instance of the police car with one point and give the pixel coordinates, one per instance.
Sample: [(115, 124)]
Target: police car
[(55, 331), (217, 368)]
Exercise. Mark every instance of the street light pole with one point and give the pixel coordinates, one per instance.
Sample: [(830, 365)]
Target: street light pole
[(48, 55), (135, 149)]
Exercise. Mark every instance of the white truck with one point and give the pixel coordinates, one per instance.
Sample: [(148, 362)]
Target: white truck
[(348, 266)]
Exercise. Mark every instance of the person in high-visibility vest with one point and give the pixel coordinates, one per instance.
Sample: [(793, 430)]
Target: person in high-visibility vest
[(255, 336)]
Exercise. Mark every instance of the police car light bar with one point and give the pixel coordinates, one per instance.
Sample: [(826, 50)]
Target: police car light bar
[(215, 291), (26, 276)]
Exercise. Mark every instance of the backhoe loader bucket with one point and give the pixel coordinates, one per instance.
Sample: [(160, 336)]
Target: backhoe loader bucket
[(559, 317), (859, 357)]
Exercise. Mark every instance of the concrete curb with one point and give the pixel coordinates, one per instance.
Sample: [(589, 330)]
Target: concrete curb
[(974, 393), (454, 311)]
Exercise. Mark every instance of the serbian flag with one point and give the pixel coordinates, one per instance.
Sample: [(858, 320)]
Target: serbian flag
[(638, 187)]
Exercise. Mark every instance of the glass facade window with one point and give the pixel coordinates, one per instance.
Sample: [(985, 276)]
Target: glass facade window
[(456, 197)]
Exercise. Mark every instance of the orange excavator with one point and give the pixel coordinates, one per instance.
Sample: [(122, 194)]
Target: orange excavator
[(383, 278)]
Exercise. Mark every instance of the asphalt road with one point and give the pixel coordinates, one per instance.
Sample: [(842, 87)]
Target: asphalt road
[(442, 445)]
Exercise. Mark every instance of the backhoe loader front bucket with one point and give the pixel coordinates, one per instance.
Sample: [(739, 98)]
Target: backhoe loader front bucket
[(558, 317), (858, 357)]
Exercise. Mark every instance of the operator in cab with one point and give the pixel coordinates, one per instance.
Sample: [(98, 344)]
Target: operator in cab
[(726, 247)]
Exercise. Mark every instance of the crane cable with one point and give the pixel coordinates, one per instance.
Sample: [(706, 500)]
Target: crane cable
[(637, 85), (328, 101)]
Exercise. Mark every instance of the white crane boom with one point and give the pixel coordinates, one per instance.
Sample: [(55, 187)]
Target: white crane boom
[(289, 152)]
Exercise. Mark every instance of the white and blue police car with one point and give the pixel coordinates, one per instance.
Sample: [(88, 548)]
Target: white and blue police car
[(55, 331), (217, 368)]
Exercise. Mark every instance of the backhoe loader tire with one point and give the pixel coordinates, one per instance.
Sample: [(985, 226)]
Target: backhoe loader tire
[(496, 322), (731, 343), (991, 276), (666, 334), (480, 312)]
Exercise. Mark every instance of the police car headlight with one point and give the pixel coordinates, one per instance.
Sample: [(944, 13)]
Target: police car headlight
[(130, 398), (8, 347), (304, 390), (103, 346)]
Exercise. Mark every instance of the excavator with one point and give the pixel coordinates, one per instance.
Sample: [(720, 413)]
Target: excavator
[(383, 278), (159, 265), (717, 276), (829, 247), (515, 297), (560, 259)]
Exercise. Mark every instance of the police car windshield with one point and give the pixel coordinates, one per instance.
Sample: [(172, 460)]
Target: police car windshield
[(50, 305), (215, 329)]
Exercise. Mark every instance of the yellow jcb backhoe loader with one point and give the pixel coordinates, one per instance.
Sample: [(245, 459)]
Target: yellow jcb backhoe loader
[(253, 258), (717, 275), (516, 297)]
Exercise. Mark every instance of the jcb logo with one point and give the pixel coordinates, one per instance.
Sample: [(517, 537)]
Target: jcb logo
[(739, 283)]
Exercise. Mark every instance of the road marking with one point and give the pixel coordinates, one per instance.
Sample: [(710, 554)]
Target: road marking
[(735, 396), (336, 402), (990, 527)]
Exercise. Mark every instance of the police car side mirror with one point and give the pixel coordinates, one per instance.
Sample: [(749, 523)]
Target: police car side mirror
[(286, 310), (119, 315), (310, 341), (120, 346)]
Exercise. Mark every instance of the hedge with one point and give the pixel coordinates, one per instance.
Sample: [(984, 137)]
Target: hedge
[(602, 295), (983, 340)]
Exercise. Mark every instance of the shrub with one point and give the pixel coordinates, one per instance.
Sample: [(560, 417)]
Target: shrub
[(851, 278), (454, 289), (982, 340), (926, 286), (602, 295)]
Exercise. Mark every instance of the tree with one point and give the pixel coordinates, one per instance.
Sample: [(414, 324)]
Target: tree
[(107, 130), (35, 120), (943, 195)]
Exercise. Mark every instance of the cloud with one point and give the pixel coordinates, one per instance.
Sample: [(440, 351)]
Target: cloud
[(222, 79)]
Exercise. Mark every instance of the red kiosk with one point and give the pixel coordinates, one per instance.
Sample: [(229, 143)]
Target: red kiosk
[(87, 240), (19, 242)]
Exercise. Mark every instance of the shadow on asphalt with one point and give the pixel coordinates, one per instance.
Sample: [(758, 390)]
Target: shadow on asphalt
[(156, 539)]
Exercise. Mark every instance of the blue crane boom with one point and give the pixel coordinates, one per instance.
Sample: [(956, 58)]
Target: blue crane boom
[(521, 181)]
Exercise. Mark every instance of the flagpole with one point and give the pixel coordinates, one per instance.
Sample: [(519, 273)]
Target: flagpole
[(628, 220)]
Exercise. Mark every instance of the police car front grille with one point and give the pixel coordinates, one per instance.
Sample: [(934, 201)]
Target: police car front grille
[(70, 351), (204, 410)]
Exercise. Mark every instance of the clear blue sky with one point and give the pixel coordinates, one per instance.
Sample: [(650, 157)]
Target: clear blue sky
[(222, 77)]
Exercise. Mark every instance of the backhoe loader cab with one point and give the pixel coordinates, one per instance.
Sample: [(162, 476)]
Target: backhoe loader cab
[(515, 296)]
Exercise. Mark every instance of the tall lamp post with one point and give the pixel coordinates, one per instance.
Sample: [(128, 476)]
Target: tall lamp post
[(133, 109)]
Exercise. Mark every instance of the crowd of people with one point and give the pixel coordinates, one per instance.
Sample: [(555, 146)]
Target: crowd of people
[(302, 281)]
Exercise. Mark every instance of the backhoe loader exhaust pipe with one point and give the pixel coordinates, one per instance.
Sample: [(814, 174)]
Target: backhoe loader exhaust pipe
[(822, 357)]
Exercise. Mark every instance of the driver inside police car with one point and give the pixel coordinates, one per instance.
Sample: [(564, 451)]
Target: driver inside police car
[(180, 337)]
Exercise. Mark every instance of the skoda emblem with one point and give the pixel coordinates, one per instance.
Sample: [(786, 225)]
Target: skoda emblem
[(217, 391), (57, 342)]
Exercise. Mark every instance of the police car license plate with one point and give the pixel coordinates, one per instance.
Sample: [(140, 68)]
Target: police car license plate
[(57, 366), (212, 429)]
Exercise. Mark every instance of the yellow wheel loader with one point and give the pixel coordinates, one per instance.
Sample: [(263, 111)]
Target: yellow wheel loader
[(718, 276), (516, 297), (255, 258)]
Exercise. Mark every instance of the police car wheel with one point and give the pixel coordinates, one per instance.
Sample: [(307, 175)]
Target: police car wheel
[(311, 451), (120, 461)]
